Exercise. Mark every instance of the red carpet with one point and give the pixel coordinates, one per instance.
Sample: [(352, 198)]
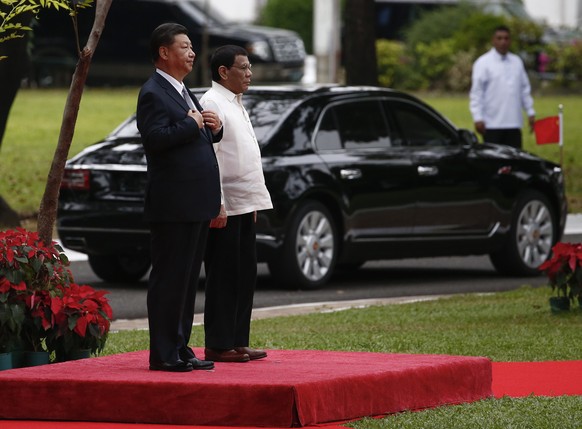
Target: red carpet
[(290, 388), (520, 379)]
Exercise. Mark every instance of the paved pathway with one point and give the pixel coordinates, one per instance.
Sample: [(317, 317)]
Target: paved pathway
[(573, 232)]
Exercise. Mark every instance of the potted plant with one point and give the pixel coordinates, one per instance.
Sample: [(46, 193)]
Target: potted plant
[(564, 271), (82, 320), (37, 269), (11, 319)]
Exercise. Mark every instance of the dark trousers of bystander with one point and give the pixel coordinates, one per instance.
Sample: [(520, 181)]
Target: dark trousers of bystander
[(507, 136)]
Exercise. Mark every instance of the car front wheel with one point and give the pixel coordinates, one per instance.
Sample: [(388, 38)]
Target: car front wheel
[(531, 237), (310, 249), (120, 268)]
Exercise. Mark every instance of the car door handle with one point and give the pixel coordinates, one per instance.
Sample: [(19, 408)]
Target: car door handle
[(350, 174), (427, 171)]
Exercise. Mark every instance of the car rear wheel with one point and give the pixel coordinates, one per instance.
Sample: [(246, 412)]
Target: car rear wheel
[(120, 268), (310, 250), (531, 237)]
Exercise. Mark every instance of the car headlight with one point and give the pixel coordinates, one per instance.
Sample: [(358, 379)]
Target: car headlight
[(260, 49), (558, 175)]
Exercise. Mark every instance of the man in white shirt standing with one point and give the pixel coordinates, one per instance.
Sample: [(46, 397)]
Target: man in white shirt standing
[(231, 260), (500, 90)]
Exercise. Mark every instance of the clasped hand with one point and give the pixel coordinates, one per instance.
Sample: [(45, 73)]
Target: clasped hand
[(206, 118)]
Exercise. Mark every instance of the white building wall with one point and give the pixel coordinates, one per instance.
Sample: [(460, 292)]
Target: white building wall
[(245, 11), (556, 12)]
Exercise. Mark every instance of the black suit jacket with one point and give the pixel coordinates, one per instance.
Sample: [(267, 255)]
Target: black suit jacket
[(183, 177)]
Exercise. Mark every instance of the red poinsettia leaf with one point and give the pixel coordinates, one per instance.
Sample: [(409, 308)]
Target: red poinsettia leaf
[(5, 285), (86, 291), (56, 305), (106, 308), (81, 326), (46, 323), (10, 255), (91, 306)]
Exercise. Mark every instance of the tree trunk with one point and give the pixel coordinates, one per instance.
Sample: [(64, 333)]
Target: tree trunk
[(360, 43), (48, 206)]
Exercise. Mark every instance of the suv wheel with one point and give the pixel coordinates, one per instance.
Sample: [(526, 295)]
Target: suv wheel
[(530, 239), (120, 268), (310, 250)]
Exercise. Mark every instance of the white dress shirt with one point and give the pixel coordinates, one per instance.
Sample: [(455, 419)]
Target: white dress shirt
[(500, 90), (238, 154), (178, 85)]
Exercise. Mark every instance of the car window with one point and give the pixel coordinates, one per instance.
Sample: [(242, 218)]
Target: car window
[(353, 125), (266, 112), (328, 136), (418, 126)]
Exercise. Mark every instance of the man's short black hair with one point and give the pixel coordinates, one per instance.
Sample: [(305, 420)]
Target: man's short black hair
[(503, 28), (164, 35), (225, 56)]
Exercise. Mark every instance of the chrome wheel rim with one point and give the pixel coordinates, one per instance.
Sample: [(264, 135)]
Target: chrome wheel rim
[(535, 233), (314, 246)]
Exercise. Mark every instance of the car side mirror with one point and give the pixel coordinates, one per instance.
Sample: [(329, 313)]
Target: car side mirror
[(468, 137)]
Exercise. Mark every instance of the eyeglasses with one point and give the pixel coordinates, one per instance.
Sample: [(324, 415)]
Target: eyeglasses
[(244, 67)]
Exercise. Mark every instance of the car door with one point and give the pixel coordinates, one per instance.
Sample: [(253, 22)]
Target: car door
[(452, 193), (355, 141)]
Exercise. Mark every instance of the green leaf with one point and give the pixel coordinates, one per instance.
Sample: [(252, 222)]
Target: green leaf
[(4, 313), (18, 313), (72, 322)]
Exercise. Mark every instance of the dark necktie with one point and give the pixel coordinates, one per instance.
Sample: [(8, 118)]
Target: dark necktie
[(188, 98)]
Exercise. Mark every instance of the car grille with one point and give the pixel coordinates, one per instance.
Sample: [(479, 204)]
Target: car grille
[(288, 49)]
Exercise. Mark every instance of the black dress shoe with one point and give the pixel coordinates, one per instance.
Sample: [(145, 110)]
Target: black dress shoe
[(201, 364), (179, 366)]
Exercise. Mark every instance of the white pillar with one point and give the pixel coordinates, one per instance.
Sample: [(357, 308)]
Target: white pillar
[(326, 39)]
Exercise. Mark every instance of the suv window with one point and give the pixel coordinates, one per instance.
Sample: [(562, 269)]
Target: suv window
[(419, 127), (129, 29)]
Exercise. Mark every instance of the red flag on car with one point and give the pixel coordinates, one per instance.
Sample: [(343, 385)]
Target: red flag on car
[(547, 130)]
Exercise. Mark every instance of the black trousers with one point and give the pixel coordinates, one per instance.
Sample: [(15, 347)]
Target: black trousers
[(177, 254), (231, 273), (508, 136)]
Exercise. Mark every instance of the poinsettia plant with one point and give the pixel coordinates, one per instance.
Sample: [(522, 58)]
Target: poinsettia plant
[(34, 269), (25, 258), (82, 319), (564, 270), (41, 310), (59, 315)]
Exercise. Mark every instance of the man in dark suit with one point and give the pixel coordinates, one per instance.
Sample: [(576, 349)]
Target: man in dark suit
[(182, 195)]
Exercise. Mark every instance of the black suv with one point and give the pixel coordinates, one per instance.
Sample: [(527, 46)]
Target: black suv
[(355, 174), (123, 57)]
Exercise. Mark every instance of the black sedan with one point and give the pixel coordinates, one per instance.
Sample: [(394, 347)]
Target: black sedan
[(355, 174)]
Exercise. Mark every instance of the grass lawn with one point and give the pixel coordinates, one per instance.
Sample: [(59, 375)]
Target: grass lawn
[(507, 326), (35, 120)]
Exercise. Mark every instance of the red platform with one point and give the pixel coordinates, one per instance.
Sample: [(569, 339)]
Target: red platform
[(289, 388)]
